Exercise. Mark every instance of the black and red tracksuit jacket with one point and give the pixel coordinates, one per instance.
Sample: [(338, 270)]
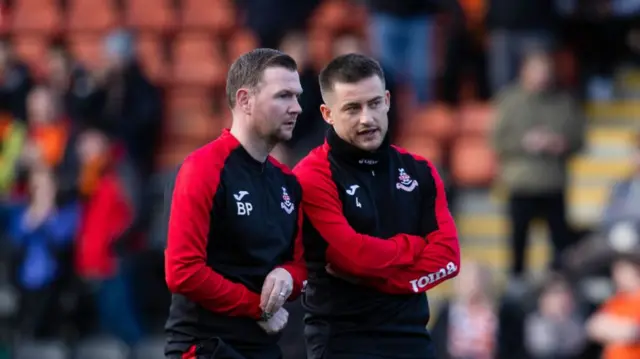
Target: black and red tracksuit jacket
[(232, 220), (381, 217)]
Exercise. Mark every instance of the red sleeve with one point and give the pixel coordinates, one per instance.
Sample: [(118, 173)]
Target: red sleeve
[(297, 267), (350, 252), (185, 257), (440, 258)]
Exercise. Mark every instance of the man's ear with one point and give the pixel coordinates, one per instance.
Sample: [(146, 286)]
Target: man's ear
[(243, 100), (326, 114), (387, 99)]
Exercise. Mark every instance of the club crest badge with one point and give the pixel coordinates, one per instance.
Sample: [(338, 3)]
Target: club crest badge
[(405, 182), (286, 203)]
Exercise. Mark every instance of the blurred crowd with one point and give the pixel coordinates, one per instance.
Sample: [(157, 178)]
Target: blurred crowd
[(89, 138)]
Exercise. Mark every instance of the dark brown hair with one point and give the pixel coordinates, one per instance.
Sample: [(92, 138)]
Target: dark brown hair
[(248, 69), (349, 68)]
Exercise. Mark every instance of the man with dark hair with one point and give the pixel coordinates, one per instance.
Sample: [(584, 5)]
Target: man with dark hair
[(378, 232), (234, 253)]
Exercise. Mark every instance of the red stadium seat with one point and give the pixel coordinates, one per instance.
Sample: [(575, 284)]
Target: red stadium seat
[(436, 121), (197, 60), (32, 49), (216, 16), (36, 16), (87, 49), (473, 163), (241, 41), (150, 15), (426, 147), (476, 119), (92, 15), (150, 52)]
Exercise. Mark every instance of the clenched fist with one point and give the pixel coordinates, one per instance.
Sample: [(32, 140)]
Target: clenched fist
[(276, 289), (276, 323)]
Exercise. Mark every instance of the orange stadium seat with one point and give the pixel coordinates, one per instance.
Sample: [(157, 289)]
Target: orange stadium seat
[(197, 60), (476, 118), (92, 15), (36, 16), (189, 114), (153, 15), (320, 48), (171, 155), (87, 49), (473, 163), (340, 16), (150, 52), (32, 49), (241, 41), (426, 147), (218, 16), (436, 121)]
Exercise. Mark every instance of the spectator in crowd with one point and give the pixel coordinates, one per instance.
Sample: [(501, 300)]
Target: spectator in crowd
[(12, 137), (15, 82), (124, 104), (616, 323), (618, 230), (555, 330), (310, 127), (537, 131), (102, 257), (464, 52), (272, 26), (514, 28), (402, 34), (49, 129), (467, 327), (42, 225), (68, 80)]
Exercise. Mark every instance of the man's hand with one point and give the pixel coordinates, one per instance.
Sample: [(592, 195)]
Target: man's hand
[(276, 289), (276, 323), (535, 141), (337, 274)]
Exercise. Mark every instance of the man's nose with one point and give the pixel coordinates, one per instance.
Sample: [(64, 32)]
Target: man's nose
[(295, 108)]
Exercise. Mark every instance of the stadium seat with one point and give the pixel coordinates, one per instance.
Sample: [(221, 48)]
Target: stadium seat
[(173, 154), (335, 16), (150, 348), (41, 350), (150, 15), (189, 114), (427, 147), (36, 16), (92, 15), (32, 49), (87, 49), (473, 163), (150, 52), (197, 61), (320, 48), (436, 121), (476, 119), (216, 16), (101, 348), (241, 41)]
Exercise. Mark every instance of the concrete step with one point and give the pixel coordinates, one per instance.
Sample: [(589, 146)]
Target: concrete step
[(603, 169), (626, 111)]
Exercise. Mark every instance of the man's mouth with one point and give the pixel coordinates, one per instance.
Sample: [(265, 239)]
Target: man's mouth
[(369, 131)]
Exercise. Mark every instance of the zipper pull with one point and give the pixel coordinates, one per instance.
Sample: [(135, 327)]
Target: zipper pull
[(373, 173)]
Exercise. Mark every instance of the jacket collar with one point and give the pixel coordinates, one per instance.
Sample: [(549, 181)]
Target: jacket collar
[(362, 159)]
